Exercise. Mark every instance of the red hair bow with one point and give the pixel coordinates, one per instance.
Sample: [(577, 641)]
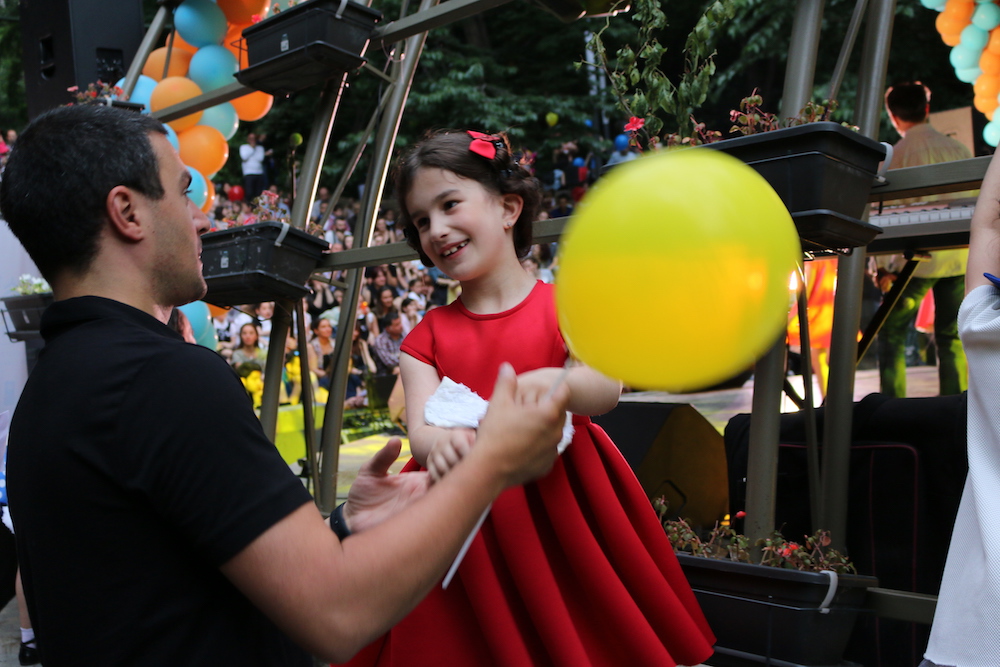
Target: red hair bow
[(484, 144)]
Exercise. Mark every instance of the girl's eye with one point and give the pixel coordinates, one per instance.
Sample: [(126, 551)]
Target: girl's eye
[(450, 204), (420, 223)]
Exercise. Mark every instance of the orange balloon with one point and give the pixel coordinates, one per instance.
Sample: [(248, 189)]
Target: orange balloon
[(951, 38), (253, 106), (210, 199), (987, 86), (179, 62), (960, 9), (234, 42), (179, 43), (986, 105), (203, 148), (243, 11), (994, 43), (989, 62), (174, 90)]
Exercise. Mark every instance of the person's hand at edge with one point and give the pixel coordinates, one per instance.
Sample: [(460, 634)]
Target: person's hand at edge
[(376, 495)]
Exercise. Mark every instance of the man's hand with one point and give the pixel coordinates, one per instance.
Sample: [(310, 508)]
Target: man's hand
[(376, 495), (521, 429)]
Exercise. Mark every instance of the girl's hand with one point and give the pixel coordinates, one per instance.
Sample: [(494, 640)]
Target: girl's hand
[(449, 449), (534, 385)]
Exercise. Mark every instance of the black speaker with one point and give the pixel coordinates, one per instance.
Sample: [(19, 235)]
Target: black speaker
[(74, 43), (675, 453)]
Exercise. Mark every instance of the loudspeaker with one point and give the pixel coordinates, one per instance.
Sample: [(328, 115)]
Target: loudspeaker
[(75, 43), (675, 453)]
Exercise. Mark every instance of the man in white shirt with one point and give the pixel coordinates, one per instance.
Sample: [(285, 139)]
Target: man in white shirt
[(253, 155)]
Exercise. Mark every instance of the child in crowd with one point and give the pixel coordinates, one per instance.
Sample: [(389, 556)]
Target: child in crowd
[(574, 569)]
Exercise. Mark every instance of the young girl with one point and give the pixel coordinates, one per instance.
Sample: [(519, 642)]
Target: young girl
[(574, 569)]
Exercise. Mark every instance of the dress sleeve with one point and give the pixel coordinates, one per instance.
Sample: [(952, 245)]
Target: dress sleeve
[(419, 343)]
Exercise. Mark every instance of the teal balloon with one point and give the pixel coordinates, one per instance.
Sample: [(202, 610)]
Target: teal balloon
[(172, 137), (200, 318), (962, 57), (213, 66), (198, 190), (223, 118), (936, 5), (986, 17), (968, 75), (973, 38), (200, 22), (143, 89), (991, 133)]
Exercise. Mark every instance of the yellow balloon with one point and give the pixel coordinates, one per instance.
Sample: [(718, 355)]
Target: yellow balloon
[(552, 118), (694, 250)]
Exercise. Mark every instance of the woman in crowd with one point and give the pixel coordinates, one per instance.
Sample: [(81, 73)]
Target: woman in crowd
[(249, 348), (321, 358), (362, 365)]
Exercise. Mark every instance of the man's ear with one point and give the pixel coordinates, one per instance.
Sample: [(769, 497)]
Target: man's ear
[(125, 212)]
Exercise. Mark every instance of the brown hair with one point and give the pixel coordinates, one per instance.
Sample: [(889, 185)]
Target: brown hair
[(501, 175)]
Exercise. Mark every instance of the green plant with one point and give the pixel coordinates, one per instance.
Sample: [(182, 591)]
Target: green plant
[(97, 90), (645, 92), (812, 555), (751, 118), (28, 284)]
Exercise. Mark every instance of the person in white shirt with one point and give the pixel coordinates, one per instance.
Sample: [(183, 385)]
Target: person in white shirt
[(253, 155)]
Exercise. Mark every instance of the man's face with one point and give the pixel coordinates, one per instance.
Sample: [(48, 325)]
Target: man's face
[(252, 139), (177, 226), (395, 328)]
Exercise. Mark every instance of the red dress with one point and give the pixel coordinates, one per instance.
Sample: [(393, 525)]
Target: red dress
[(560, 573)]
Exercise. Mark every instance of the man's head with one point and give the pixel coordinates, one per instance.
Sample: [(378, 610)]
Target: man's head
[(58, 177), (908, 102), (392, 325), (252, 139)]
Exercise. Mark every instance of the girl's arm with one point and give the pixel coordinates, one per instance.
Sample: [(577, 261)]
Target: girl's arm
[(591, 393), (984, 238), (435, 448)]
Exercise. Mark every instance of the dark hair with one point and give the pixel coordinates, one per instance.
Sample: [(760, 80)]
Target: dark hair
[(58, 176), (449, 150), (908, 101), (387, 319)]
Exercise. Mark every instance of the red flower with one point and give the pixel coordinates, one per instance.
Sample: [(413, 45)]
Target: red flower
[(740, 514), (73, 89), (256, 18), (634, 124)]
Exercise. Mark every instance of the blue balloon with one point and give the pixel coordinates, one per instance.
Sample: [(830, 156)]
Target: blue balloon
[(991, 133), (578, 162), (200, 318), (200, 22), (143, 89), (223, 118), (588, 122), (962, 57), (968, 75), (973, 38), (621, 142), (986, 16), (172, 137), (198, 190), (936, 5), (213, 66)]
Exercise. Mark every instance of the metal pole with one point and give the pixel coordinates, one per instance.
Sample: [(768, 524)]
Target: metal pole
[(847, 302), (405, 69), (769, 373), (145, 48), (273, 366)]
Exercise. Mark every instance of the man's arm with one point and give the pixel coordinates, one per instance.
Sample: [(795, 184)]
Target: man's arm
[(984, 239), (334, 597)]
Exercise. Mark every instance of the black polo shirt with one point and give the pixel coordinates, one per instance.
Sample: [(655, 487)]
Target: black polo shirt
[(136, 468)]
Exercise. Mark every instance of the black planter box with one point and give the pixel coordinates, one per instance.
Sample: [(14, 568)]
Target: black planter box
[(23, 315), (307, 44), (260, 262), (823, 172), (768, 615)]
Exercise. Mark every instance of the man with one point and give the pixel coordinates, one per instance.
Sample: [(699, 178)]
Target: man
[(908, 105), (253, 156), (387, 344), (155, 522)]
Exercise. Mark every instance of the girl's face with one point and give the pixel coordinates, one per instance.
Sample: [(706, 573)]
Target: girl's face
[(248, 335), (266, 310), (324, 329), (380, 278), (464, 228), (386, 298)]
